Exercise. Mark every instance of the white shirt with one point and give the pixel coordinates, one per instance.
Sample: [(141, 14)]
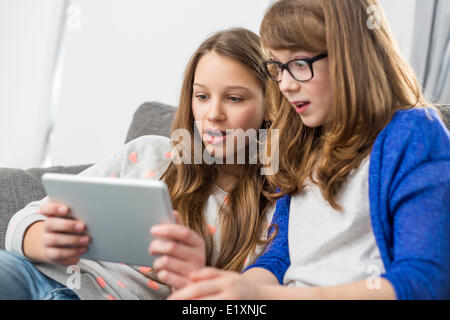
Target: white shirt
[(329, 247)]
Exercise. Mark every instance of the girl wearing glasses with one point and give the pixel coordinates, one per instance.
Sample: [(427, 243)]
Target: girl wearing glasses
[(364, 181), (222, 211)]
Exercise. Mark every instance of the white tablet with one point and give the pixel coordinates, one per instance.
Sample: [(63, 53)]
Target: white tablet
[(118, 213)]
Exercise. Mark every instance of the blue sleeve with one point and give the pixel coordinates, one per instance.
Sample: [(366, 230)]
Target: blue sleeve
[(418, 201), (276, 256)]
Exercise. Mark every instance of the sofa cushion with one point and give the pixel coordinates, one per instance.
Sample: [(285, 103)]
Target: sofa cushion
[(20, 187), (445, 111)]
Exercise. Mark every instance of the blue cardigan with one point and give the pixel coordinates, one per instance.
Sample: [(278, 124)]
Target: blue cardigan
[(409, 193)]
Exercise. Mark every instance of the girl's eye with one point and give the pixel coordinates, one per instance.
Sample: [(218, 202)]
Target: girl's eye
[(201, 97), (235, 99), (299, 64)]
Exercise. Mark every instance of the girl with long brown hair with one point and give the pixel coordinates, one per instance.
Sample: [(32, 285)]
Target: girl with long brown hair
[(364, 180), (222, 211)]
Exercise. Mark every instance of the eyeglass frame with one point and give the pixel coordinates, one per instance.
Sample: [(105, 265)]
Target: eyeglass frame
[(285, 66)]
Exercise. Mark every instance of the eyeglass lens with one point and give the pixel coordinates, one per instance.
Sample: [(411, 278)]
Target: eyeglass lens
[(299, 69)]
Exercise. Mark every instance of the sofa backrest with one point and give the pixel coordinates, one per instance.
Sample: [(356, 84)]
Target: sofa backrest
[(445, 111), (151, 118)]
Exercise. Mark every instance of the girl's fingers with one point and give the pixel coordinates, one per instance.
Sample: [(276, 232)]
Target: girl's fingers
[(64, 240), (174, 265), (178, 250), (64, 225), (210, 283), (179, 233), (172, 279), (54, 209), (197, 290), (61, 254), (218, 296), (205, 273)]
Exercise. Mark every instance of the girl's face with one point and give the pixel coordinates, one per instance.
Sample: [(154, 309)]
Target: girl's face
[(312, 100), (226, 95)]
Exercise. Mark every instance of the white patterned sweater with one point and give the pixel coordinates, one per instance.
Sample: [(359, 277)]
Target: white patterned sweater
[(146, 157)]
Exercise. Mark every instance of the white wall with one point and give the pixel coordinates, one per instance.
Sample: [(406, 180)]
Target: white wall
[(125, 52), (27, 37), (401, 17)]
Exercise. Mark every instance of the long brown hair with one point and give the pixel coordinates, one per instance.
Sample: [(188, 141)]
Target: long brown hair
[(190, 185), (370, 81)]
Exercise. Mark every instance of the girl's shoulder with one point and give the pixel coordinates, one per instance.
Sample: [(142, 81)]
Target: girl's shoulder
[(150, 146), (417, 118), (146, 156), (422, 126), (148, 140), (415, 138)]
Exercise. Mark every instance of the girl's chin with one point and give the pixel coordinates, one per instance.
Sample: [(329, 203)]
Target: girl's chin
[(215, 151), (311, 121), (221, 153)]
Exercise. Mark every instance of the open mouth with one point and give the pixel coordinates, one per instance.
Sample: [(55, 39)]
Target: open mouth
[(215, 136), (301, 106)]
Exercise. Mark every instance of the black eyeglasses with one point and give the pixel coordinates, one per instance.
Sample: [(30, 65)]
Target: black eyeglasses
[(300, 69)]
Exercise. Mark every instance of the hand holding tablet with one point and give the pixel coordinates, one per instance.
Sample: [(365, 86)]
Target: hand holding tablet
[(63, 239), (117, 213)]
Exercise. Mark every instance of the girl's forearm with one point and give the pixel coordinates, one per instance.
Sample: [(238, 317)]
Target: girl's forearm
[(353, 291), (260, 275), (33, 247)]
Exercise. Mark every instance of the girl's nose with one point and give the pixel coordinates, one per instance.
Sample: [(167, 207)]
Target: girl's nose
[(288, 83), (215, 112)]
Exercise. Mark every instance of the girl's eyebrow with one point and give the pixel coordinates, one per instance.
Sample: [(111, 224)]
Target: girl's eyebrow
[(296, 57), (199, 85), (228, 88), (237, 88)]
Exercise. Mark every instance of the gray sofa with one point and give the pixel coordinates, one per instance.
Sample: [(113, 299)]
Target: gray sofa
[(19, 187)]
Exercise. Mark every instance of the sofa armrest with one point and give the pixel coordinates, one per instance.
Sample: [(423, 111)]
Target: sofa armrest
[(20, 187)]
